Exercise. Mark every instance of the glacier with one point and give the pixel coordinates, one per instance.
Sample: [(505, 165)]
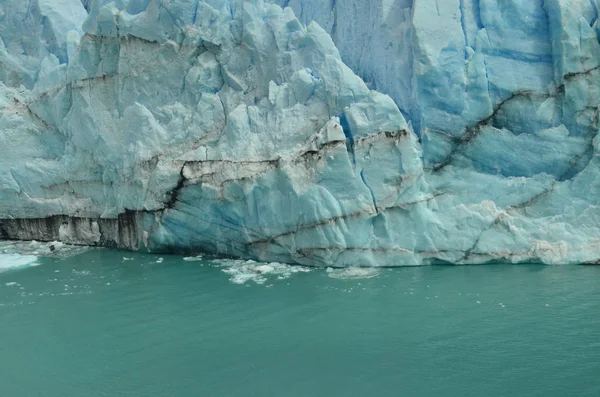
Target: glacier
[(315, 132)]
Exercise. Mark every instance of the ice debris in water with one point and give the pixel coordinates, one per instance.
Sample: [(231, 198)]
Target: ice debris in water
[(193, 258), (241, 271), (42, 249), (350, 273)]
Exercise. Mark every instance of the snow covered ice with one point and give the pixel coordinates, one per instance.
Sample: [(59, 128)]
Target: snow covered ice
[(345, 133)]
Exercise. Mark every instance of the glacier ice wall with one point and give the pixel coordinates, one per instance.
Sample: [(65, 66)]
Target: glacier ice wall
[(373, 133)]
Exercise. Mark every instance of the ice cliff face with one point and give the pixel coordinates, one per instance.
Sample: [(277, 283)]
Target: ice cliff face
[(233, 127)]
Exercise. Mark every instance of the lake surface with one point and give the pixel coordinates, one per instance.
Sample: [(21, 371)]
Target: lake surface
[(110, 323)]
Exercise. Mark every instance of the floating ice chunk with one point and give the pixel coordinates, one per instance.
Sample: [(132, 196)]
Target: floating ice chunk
[(353, 273), (264, 269), (193, 258), (243, 271), (14, 261)]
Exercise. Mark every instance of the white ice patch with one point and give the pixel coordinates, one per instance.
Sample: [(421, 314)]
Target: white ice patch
[(14, 261), (241, 271), (352, 273)]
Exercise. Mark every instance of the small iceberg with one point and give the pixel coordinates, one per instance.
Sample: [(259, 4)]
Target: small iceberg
[(15, 261)]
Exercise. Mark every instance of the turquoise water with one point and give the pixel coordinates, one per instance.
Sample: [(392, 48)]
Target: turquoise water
[(110, 323)]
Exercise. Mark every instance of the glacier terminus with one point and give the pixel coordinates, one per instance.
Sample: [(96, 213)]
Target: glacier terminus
[(315, 132)]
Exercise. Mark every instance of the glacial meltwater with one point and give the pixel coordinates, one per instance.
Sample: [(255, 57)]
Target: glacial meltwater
[(96, 322)]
